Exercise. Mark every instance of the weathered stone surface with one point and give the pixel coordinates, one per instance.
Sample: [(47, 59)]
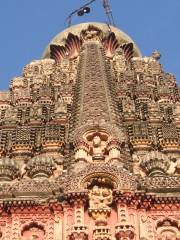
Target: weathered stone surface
[(89, 143)]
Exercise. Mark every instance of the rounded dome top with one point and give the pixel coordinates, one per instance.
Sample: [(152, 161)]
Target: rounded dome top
[(122, 37)]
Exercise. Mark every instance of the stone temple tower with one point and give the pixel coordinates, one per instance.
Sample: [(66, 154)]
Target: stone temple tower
[(89, 143)]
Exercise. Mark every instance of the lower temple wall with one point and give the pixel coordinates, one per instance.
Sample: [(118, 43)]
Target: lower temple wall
[(72, 222)]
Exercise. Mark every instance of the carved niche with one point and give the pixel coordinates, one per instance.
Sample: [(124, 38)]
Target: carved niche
[(97, 146), (33, 231), (168, 230), (100, 193), (97, 143), (100, 199)]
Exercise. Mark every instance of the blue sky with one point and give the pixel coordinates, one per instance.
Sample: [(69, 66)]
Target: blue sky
[(27, 26)]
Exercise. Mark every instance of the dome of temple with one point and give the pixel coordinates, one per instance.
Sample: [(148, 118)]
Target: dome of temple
[(122, 37), (40, 166), (8, 169), (155, 163)]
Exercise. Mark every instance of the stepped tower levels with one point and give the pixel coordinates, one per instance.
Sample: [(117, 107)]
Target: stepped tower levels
[(89, 143)]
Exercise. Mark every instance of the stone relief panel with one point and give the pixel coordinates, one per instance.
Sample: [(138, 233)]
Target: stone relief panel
[(100, 199)]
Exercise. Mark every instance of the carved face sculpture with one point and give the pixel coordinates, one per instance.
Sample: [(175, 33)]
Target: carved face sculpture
[(96, 141)]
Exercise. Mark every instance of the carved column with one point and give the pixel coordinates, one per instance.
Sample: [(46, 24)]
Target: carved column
[(123, 230), (58, 227), (81, 151), (78, 231), (114, 150), (100, 199)]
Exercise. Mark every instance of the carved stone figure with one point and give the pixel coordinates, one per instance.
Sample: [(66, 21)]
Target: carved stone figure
[(100, 198), (97, 148)]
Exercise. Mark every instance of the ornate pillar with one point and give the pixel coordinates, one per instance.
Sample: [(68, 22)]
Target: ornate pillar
[(81, 151), (58, 221), (78, 231), (123, 230), (114, 150), (58, 227), (100, 199)]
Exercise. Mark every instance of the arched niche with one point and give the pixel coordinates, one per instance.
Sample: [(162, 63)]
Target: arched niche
[(33, 231), (168, 230)]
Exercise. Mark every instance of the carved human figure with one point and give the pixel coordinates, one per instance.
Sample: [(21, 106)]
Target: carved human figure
[(100, 197), (97, 149), (136, 163)]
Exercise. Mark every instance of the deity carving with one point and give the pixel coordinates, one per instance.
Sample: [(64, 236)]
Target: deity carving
[(136, 160), (100, 199), (97, 147)]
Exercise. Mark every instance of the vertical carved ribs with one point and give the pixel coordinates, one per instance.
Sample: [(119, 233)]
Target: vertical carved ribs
[(93, 102)]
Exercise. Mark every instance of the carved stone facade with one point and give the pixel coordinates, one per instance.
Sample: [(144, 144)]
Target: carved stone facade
[(89, 143)]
